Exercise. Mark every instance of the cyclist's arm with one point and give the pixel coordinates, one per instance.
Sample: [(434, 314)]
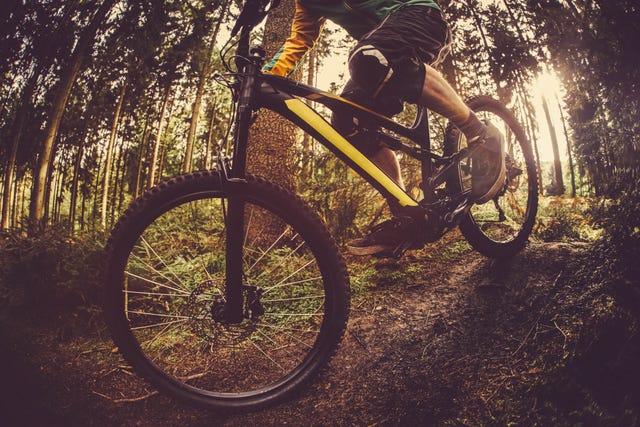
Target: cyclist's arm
[(305, 30)]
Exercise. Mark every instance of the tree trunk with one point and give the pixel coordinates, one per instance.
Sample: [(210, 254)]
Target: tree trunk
[(271, 150), (107, 166), (163, 147), (142, 152), (74, 188), (16, 135), (95, 193), (163, 156), (569, 154), (9, 177), (557, 166), (18, 195), (204, 74), (158, 140), (118, 185), (120, 194), (59, 194), (530, 123), (212, 122), (41, 172)]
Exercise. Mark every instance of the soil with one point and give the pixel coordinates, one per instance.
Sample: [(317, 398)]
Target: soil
[(465, 341)]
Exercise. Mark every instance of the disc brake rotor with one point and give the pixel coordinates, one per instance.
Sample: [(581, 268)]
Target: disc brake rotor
[(200, 308)]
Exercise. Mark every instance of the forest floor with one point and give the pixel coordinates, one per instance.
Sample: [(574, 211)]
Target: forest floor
[(443, 337)]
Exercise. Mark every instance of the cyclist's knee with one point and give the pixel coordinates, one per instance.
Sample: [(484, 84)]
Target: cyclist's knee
[(380, 76)]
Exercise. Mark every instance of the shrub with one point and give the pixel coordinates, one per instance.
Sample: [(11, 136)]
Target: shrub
[(50, 272)]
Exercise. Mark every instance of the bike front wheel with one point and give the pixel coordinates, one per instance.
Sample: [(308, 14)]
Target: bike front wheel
[(165, 283), (500, 227)]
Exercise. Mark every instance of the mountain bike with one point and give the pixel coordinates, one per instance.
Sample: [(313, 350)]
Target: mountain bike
[(228, 292)]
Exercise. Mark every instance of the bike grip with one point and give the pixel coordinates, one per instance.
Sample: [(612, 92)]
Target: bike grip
[(252, 13)]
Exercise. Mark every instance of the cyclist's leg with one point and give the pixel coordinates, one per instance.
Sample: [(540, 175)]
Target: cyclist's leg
[(394, 58), (391, 61), (382, 156)]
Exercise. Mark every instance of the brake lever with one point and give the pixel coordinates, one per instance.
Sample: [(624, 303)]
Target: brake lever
[(253, 13)]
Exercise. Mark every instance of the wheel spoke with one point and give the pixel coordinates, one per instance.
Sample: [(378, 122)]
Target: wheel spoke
[(155, 325), (283, 282), (284, 233), (153, 282), (266, 355), (282, 261), (170, 320), (159, 258), (153, 270), (294, 299)]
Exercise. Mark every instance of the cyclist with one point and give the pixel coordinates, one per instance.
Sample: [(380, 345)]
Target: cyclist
[(398, 42)]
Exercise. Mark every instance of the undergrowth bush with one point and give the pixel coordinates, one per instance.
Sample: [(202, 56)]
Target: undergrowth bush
[(565, 219), (50, 272), (345, 201), (606, 297)]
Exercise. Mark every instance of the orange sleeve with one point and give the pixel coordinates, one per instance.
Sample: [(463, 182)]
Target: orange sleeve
[(305, 30)]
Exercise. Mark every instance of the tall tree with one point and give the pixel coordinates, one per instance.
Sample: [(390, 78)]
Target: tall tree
[(158, 138), (107, 166), (273, 139), (68, 77), (557, 165), (17, 130), (223, 6), (569, 154)]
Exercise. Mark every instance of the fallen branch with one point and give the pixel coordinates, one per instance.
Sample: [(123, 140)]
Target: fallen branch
[(136, 399), (542, 312), (146, 396)]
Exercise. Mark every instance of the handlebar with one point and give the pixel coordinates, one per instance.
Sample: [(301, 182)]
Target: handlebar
[(253, 12)]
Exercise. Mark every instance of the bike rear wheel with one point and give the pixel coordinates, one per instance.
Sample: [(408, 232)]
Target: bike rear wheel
[(501, 227), (165, 284)]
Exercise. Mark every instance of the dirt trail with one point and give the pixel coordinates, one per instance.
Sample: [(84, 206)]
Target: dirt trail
[(451, 348)]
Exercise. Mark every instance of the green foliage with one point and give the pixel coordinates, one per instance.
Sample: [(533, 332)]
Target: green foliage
[(53, 272), (621, 244), (591, 46), (563, 219), (345, 201)]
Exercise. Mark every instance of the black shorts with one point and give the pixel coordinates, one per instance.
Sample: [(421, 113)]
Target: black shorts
[(387, 64), (407, 38)]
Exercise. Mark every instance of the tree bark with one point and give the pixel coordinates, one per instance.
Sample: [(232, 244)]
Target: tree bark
[(530, 124), (16, 134), (204, 74), (121, 185), (212, 122), (142, 152), (74, 188), (569, 154), (108, 162), (271, 150), (41, 172), (158, 139), (557, 166), (9, 177)]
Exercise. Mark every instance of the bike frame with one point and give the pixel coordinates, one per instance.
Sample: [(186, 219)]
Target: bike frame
[(257, 90)]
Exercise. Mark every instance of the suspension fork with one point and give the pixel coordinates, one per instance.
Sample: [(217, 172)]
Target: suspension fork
[(233, 309)]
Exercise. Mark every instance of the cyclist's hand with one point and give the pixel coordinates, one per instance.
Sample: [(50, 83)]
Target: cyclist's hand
[(253, 12)]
